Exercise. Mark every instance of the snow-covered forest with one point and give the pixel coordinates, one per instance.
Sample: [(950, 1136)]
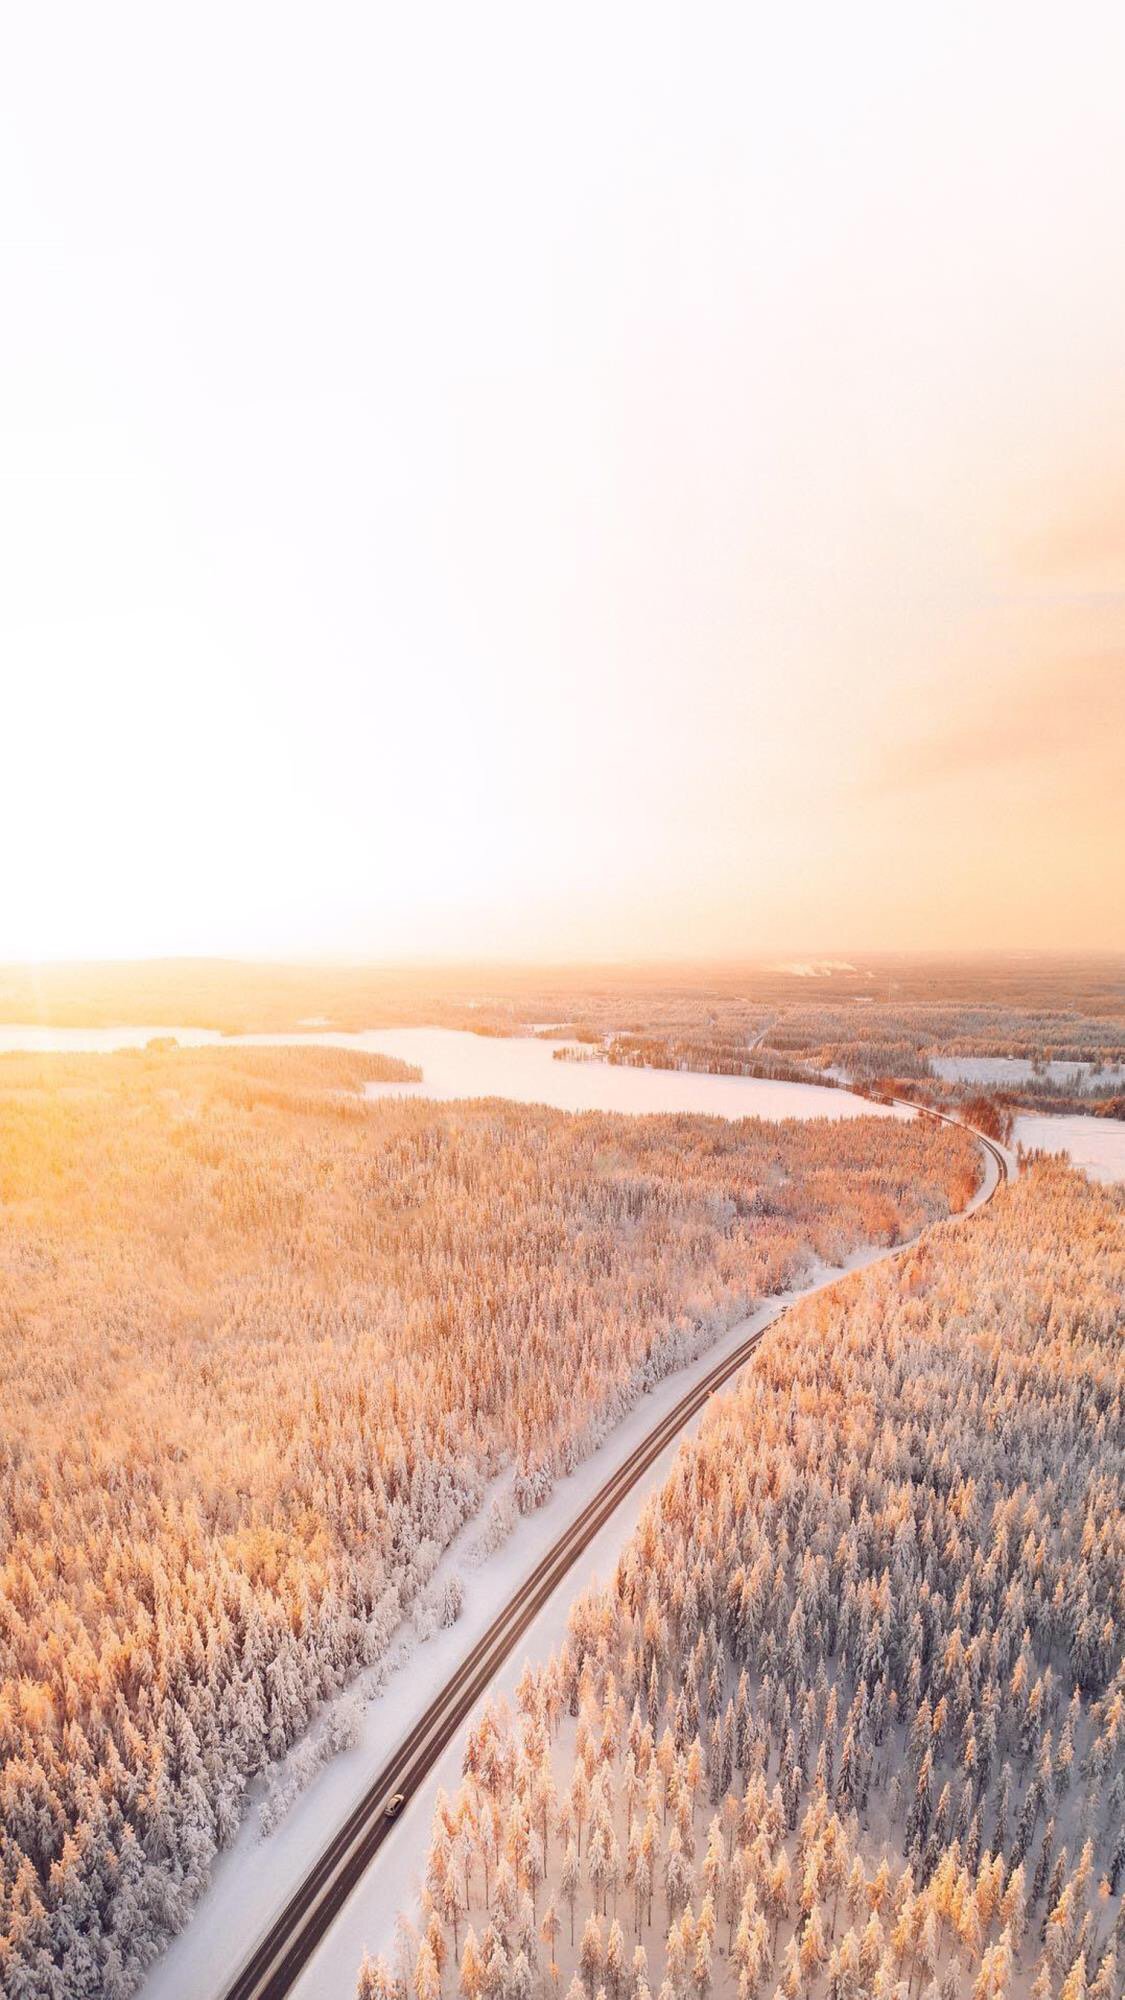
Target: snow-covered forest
[(1049, 1059), (850, 1718), (265, 1345), (887, 1039)]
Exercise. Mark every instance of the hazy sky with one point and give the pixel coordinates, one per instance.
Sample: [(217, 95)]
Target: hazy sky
[(561, 479)]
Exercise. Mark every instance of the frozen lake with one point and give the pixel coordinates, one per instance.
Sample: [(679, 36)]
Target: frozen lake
[(1017, 1069), (1097, 1145), (455, 1063)]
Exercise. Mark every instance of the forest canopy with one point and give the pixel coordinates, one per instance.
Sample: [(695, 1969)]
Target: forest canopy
[(264, 1345), (849, 1719)]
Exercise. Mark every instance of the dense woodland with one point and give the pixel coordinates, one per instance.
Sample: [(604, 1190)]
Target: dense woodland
[(705, 1051), (868, 1036), (891, 1049), (263, 1348), (850, 1718)]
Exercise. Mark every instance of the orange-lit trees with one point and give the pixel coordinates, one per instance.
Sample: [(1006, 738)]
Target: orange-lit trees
[(876, 1617), (264, 1347)]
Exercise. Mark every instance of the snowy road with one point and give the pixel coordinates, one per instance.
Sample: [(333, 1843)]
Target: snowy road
[(305, 1949)]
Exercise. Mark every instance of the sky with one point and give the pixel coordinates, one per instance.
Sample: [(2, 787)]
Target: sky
[(633, 480)]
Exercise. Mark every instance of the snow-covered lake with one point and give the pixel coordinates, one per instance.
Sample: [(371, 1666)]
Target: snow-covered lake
[(457, 1064), (1017, 1069), (1097, 1145)]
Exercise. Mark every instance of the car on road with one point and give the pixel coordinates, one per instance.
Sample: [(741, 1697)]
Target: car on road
[(394, 1805)]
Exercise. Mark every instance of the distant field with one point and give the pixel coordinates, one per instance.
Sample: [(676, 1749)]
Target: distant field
[(663, 999)]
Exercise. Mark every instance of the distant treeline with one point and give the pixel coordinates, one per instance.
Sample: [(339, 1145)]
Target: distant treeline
[(713, 1057)]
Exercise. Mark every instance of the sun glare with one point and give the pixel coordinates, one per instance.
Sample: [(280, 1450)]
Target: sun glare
[(562, 1001)]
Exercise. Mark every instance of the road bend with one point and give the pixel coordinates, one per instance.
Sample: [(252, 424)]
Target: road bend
[(278, 1959)]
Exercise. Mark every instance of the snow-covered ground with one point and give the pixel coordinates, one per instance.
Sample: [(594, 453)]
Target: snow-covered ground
[(254, 1878), (456, 1064), (1097, 1145), (1017, 1069)]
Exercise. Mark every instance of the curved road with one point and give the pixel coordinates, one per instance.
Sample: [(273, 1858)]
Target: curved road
[(278, 1960)]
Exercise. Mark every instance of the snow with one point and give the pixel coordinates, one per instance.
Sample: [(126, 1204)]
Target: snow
[(1097, 1145), (392, 1884), (1017, 1069), (457, 1064), (253, 1879)]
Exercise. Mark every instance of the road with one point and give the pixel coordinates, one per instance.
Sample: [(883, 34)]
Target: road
[(277, 1961)]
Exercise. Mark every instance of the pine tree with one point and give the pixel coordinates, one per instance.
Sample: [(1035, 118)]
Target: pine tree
[(590, 1955), (1104, 1985), (427, 1980), (615, 1959), (813, 1950), (549, 1930), (570, 1882), (470, 1973), (1074, 1985)]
